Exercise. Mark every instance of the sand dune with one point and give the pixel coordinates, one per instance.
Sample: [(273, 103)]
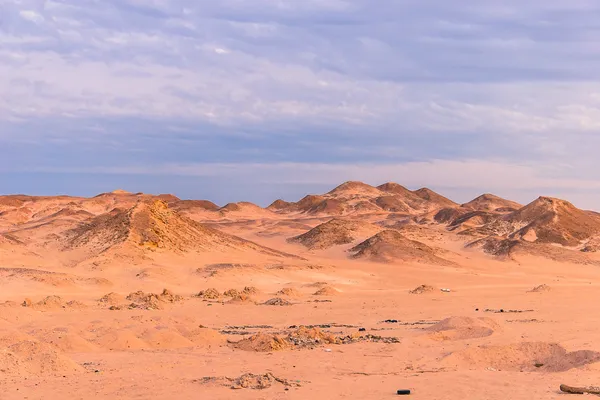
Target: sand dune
[(356, 292), (152, 225), (335, 232), (391, 246), (490, 202)]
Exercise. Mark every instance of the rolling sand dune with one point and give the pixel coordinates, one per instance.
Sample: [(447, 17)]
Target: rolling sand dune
[(152, 225), (334, 233), (391, 246), (353, 293)]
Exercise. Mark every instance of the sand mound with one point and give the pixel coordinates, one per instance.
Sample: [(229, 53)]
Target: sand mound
[(390, 246), (162, 338), (277, 301), (8, 304), (540, 289), (241, 298), (121, 340), (327, 291), (305, 337), (205, 337), (289, 292), (241, 206), (262, 343), (50, 302), (210, 294), (461, 328), (112, 299), (65, 341), (250, 290), (154, 301), (316, 284), (76, 304), (334, 233), (529, 356), (10, 336), (423, 289), (50, 278), (221, 268), (30, 357)]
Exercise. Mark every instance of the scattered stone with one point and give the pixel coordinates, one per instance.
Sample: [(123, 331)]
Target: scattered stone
[(423, 289), (151, 301), (506, 311), (304, 338), (409, 323), (249, 381), (210, 294), (250, 290), (250, 327), (356, 338), (76, 304), (540, 289), (231, 293), (169, 297), (277, 301), (112, 298)]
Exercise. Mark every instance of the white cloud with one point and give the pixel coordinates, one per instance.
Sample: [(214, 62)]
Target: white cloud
[(278, 61), (32, 16), (518, 81)]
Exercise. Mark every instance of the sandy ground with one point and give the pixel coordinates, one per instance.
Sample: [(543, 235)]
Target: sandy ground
[(183, 346)]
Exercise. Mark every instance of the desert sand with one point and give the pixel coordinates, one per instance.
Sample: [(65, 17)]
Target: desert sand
[(354, 293)]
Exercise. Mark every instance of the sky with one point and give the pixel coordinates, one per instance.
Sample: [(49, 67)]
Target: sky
[(256, 100)]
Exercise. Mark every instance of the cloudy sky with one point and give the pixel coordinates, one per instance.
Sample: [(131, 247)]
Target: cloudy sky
[(260, 99)]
